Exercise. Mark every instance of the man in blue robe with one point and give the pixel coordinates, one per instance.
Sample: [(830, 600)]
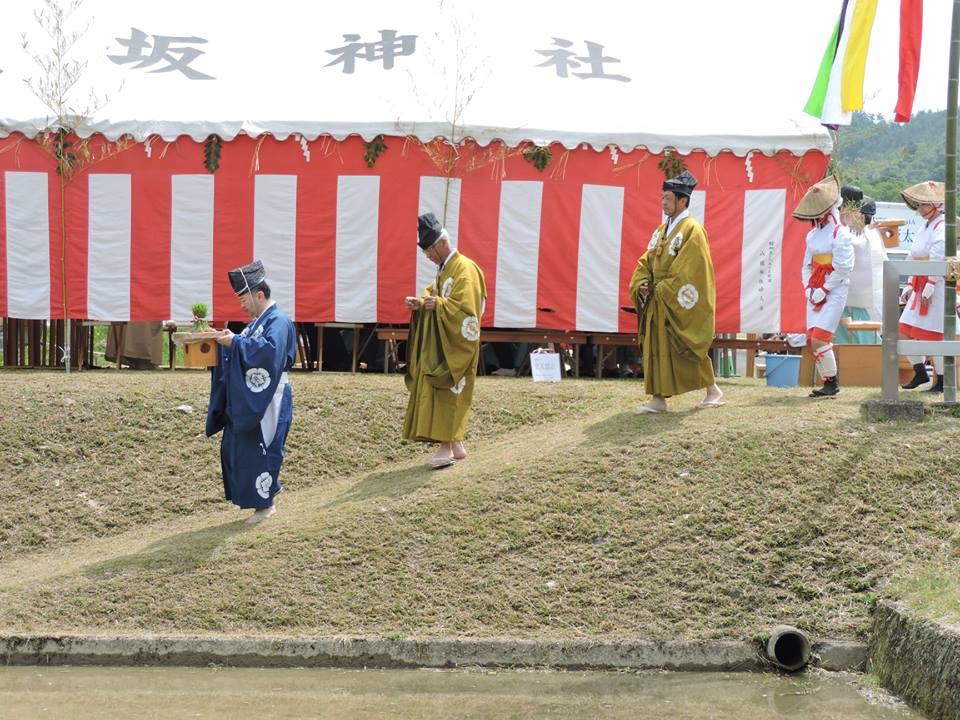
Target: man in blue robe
[(250, 396)]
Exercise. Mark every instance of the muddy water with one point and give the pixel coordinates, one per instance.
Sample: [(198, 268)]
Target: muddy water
[(81, 693)]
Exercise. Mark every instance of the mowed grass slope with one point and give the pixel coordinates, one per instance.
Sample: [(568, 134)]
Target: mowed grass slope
[(571, 518), (96, 453)]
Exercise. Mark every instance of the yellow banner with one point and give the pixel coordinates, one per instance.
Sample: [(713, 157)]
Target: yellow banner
[(855, 59)]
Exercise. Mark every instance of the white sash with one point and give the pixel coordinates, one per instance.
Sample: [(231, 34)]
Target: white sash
[(268, 423)]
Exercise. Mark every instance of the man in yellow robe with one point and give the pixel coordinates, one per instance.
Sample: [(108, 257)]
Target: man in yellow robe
[(443, 347), (674, 293)]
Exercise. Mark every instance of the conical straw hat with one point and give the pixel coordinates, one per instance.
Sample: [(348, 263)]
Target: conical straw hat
[(925, 192), (818, 199)]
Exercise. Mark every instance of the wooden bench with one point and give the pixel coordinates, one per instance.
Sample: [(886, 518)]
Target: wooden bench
[(357, 348), (392, 336), (751, 344), (170, 327), (863, 326), (119, 332), (611, 340)]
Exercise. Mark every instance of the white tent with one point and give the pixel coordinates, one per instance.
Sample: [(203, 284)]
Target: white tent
[(143, 226), (540, 71)]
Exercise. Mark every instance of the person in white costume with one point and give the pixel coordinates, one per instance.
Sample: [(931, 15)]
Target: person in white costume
[(872, 247), (827, 265), (865, 296), (922, 316)]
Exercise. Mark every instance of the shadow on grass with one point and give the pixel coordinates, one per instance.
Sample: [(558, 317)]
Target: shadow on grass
[(798, 398), (183, 551), (623, 428), (389, 484)]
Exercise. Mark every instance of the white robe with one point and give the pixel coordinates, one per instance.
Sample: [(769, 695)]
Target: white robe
[(928, 244), (832, 239), (866, 280)]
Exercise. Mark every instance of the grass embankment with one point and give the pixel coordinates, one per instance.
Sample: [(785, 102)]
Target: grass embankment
[(571, 517), (932, 591)]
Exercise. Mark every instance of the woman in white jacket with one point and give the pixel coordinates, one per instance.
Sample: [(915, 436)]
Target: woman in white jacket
[(922, 316), (865, 297), (827, 264)]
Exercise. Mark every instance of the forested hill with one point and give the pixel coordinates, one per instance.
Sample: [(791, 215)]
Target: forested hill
[(883, 157)]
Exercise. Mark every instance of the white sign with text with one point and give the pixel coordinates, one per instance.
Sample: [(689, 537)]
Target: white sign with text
[(545, 366)]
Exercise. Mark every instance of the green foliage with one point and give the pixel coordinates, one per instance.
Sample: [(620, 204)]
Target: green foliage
[(538, 156), (374, 149), (199, 311), (671, 164), (932, 590), (211, 153), (884, 157)]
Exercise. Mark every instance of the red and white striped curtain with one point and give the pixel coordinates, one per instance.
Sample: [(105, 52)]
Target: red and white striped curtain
[(146, 230)]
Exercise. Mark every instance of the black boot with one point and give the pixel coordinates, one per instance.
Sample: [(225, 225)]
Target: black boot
[(919, 377), (830, 388), (937, 387)]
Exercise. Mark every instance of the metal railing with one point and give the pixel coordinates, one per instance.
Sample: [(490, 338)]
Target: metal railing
[(893, 346)]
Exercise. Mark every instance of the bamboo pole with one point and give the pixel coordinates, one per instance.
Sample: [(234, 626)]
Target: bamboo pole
[(950, 202), (63, 259)]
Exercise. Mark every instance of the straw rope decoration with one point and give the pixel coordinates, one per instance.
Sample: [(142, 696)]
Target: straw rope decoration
[(634, 165), (84, 156), (432, 152), (494, 155), (324, 145), (709, 165), (559, 171), (15, 147), (335, 149), (328, 146), (255, 157), (799, 180), (499, 159), (453, 153)]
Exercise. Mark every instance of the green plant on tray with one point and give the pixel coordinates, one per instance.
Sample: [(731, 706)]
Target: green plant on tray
[(200, 321)]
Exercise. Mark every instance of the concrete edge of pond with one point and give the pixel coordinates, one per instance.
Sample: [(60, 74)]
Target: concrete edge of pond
[(373, 652), (917, 658)]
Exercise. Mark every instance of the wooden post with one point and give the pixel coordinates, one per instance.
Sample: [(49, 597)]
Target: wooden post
[(8, 342), (356, 347), (35, 344), (950, 206)]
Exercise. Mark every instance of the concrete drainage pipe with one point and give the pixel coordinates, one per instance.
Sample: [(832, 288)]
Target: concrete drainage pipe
[(788, 648)]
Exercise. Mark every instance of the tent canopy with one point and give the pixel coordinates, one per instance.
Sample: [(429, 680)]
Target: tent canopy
[(537, 71)]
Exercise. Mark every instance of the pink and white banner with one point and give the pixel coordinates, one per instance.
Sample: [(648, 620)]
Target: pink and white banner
[(143, 231)]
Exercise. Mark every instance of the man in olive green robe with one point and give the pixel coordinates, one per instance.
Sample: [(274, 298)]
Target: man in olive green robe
[(443, 346), (674, 293)]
